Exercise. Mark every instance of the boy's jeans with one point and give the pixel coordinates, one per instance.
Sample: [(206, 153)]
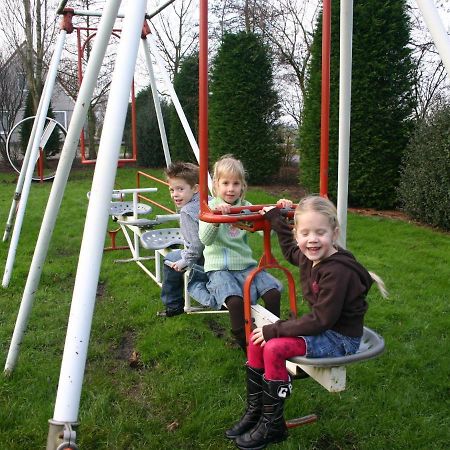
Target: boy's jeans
[(172, 291), (173, 284)]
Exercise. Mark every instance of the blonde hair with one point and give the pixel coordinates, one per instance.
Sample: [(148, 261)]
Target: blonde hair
[(317, 204), (228, 165), (325, 207)]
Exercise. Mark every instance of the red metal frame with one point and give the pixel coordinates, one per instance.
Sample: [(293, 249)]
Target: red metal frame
[(258, 222), (325, 105), (267, 261), (140, 174), (41, 165)]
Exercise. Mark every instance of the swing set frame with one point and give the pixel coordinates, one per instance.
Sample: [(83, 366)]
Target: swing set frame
[(62, 426)]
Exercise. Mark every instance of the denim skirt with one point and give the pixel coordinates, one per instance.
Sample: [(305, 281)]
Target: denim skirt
[(225, 283), (330, 344)]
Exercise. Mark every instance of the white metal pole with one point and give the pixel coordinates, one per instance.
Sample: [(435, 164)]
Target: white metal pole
[(157, 103), (83, 300), (437, 30), (62, 174), (176, 102), (23, 170), (345, 93), (39, 122)]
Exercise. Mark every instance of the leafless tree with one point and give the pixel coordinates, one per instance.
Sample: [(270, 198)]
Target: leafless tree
[(432, 85), (29, 27), (12, 92), (286, 25), (177, 30)]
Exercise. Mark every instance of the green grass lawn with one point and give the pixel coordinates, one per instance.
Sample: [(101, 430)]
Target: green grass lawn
[(188, 386)]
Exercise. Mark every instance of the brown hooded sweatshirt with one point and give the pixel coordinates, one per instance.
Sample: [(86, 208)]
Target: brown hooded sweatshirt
[(335, 289)]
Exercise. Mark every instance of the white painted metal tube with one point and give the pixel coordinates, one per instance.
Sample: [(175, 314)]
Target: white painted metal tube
[(156, 102), (83, 300), (135, 190), (176, 103), (88, 12), (62, 174), (345, 93), (33, 155), (23, 170), (437, 30)]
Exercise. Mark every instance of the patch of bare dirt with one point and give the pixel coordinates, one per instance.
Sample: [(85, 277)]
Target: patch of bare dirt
[(390, 214)]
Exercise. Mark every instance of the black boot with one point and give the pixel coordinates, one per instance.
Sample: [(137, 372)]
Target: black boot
[(271, 427), (254, 404)]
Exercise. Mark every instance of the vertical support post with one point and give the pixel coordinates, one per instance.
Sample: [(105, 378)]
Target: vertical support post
[(83, 300), (60, 181), (325, 105), (24, 182), (345, 95), (203, 104)]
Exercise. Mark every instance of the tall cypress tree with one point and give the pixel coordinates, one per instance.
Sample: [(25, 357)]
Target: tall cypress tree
[(382, 104), (244, 106), (185, 84), (150, 151)]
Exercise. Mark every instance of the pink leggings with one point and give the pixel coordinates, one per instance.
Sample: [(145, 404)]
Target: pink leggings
[(272, 357)]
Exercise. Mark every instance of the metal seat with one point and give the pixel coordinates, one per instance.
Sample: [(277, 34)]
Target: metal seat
[(161, 238), (126, 209), (372, 344)]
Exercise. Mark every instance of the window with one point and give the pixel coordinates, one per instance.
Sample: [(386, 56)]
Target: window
[(4, 122), (61, 117), (21, 81)]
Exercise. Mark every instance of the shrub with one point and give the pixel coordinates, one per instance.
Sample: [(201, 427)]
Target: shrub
[(244, 107), (424, 190), (149, 144)]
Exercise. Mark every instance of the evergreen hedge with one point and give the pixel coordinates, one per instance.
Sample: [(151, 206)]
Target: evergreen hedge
[(424, 190), (150, 150), (381, 106)]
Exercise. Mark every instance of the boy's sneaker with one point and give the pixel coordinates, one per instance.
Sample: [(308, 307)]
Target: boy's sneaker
[(170, 312)]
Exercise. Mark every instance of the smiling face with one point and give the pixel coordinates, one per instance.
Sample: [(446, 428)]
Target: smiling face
[(181, 191), (315, 236), (229, 188)]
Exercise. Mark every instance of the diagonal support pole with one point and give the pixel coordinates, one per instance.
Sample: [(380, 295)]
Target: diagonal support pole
[(83, 299)]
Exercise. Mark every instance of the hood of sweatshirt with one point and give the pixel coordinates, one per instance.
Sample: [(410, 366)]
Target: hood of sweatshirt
[(346, 258)]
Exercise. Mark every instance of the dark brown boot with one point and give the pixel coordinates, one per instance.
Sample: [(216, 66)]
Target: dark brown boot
[(240, 339), (254, 404)]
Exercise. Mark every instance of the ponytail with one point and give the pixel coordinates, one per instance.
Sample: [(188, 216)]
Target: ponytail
[(380, 284)]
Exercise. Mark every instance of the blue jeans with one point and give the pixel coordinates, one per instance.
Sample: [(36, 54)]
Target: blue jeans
[(172, 289), (197, 289)]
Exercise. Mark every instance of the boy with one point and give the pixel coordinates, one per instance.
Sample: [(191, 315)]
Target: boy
[(183, 187)]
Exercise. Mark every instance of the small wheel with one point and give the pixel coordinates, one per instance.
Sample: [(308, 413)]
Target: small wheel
[(50, 146)]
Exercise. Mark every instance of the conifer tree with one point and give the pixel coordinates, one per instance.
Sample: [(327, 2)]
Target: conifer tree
[(185, 84), (382, 104), (149, 144), (243, 106)]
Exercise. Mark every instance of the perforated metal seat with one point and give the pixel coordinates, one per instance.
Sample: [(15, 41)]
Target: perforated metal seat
[(126, 209), (372, 344), (161, 238)]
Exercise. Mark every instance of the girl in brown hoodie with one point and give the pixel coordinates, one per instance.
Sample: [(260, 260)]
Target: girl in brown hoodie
[(335, 286)]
